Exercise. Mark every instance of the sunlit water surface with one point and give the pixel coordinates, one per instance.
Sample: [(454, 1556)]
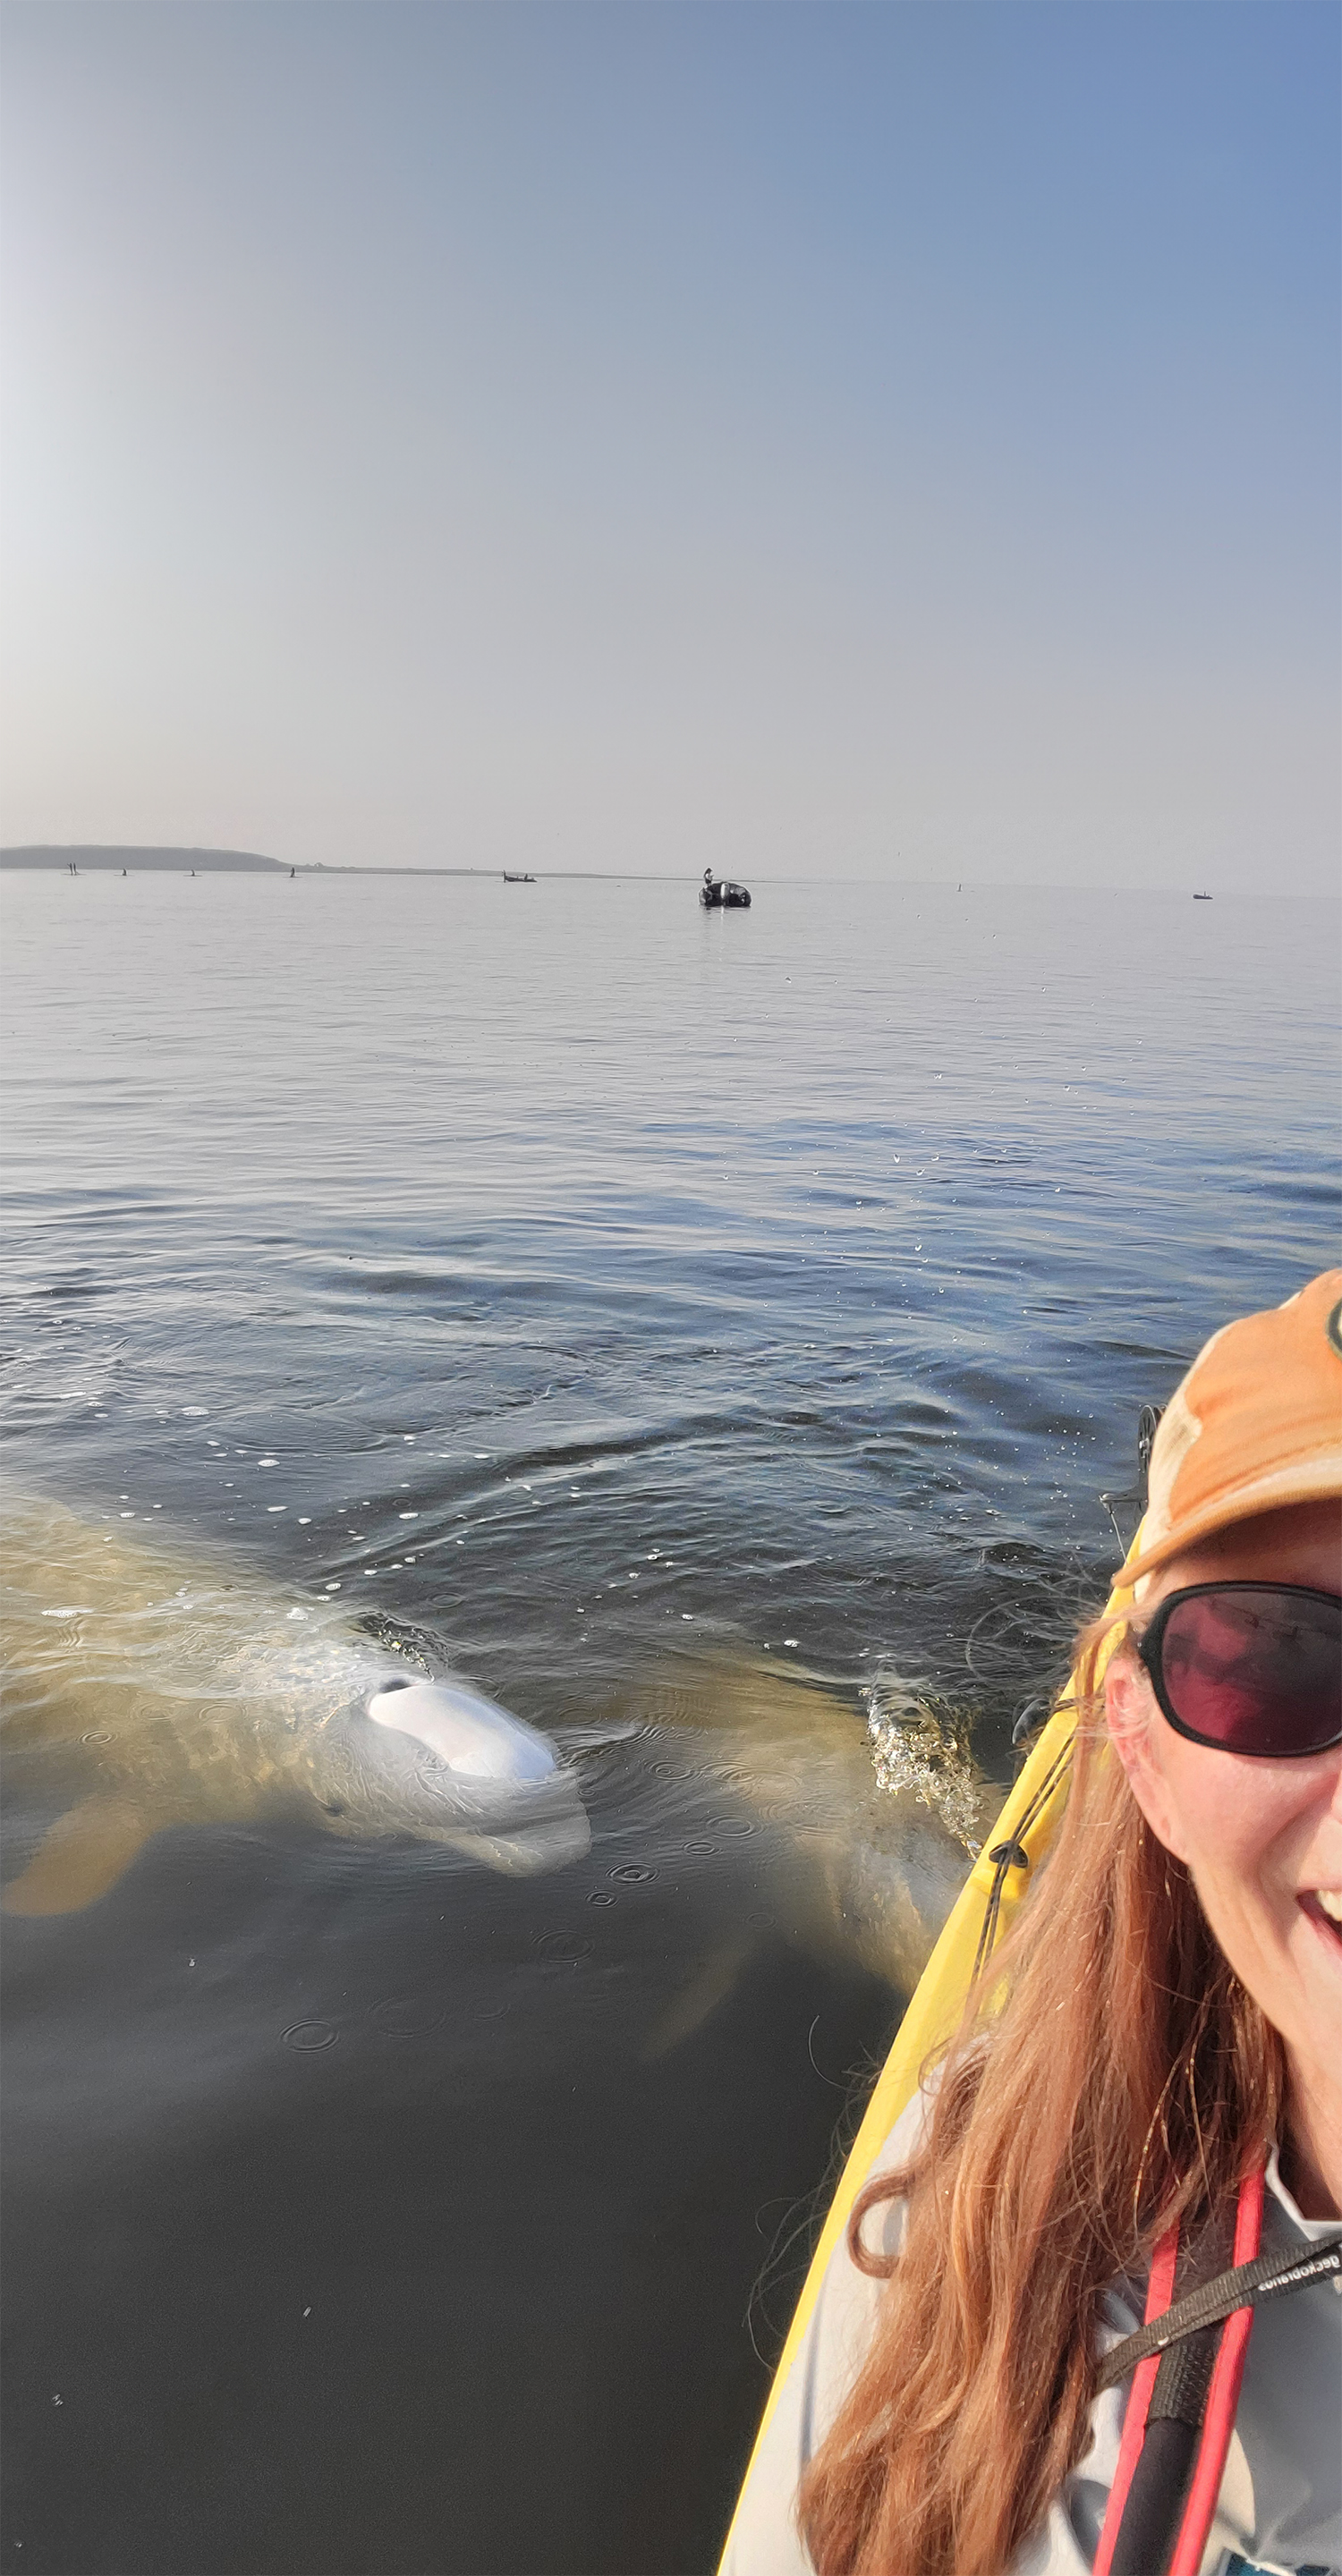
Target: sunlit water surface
[(713, 1337)]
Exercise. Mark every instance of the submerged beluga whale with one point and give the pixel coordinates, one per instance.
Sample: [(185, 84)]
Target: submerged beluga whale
[(145, 1690), (871, 1806)]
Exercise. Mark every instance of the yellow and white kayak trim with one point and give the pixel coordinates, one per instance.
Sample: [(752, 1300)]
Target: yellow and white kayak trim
[(1028, 1822)]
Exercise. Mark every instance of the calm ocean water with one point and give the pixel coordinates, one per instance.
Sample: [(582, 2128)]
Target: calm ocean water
[(708, 1334)]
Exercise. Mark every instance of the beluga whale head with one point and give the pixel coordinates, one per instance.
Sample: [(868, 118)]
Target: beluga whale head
[(148, 1689), (440, 1761)]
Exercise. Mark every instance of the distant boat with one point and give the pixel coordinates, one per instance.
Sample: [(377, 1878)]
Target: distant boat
[(718, 894), (515, 877), (1202, 898)]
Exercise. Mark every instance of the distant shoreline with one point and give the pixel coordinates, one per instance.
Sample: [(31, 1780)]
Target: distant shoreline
[(110, 856)]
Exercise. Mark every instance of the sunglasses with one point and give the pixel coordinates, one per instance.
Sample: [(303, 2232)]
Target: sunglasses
[(1249, 1667)]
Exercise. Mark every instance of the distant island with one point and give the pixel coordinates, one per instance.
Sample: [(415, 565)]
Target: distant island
[(117, 855), (82, 854)]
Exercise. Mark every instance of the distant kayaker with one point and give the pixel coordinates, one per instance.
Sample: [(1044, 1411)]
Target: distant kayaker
[(1145, 2095)]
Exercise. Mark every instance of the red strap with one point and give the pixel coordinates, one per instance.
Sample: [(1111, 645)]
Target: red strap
[(1159, 2292), (1218, 2423)]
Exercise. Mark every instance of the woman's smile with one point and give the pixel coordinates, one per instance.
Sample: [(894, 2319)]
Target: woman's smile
[(1322, 1906)]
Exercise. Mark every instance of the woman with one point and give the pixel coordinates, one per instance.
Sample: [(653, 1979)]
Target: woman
[(1147, 2085)]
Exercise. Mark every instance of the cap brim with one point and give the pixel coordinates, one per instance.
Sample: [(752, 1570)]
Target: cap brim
[(1310, 1480)]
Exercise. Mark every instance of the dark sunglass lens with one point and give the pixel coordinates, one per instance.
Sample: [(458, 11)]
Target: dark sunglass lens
[(1256, 1672)]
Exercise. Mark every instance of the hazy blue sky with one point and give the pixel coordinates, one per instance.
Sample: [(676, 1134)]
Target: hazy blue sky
[(813, 439)]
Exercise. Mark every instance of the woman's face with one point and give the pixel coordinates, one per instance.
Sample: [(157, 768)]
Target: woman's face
[(1262, 1839)]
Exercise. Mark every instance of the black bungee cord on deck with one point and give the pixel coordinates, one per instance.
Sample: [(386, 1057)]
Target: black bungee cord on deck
[(1013, 1855)]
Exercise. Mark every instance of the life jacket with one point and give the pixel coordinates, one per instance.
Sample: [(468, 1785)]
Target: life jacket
[(1187, 2362)]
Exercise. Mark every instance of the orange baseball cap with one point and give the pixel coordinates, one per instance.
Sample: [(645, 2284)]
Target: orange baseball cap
[(1256, 1423)]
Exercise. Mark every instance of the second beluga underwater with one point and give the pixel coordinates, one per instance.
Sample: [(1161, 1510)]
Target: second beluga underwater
[(146, 1690)]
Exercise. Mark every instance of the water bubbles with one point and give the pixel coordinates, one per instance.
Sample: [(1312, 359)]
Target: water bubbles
[(927, 1749), (265, 1462), (634, 1873)]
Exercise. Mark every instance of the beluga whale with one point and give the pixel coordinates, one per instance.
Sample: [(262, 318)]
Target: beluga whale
[(145, 1690), (869, 1802)]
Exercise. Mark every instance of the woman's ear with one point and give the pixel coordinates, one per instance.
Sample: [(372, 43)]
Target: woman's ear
[(1132, 1719)]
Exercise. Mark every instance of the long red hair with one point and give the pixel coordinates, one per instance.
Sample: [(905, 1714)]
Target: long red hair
[(1127, 2079)]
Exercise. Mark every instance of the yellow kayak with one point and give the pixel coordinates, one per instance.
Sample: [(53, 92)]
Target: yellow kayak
[(981, 1913)]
